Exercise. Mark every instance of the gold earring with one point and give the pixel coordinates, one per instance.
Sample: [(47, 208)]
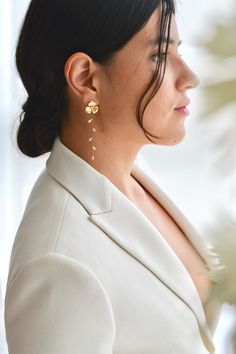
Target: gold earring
[(92, 108)]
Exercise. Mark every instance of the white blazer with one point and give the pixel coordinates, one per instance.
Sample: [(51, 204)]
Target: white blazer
[(90, 274)]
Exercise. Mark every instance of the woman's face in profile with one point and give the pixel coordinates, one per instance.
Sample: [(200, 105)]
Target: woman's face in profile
[(129, 74)]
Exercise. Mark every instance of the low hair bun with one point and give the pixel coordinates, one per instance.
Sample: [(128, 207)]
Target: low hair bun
[(39, 126), (32, 105), (52, 31)]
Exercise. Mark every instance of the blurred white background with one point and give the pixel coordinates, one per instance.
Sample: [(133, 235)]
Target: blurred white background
[(192, 173)]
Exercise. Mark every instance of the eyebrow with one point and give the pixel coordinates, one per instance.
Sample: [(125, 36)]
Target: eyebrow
[(164, 40)]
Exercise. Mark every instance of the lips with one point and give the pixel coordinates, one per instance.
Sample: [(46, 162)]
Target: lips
[(182, 108), (183, 105)]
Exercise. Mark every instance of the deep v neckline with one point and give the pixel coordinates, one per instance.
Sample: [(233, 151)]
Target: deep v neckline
[(203, 271), (125, 224)]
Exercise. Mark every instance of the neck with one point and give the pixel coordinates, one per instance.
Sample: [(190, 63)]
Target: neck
[(114, 156)]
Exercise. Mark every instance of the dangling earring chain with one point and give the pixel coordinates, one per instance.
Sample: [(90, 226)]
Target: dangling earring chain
[(92, 108)]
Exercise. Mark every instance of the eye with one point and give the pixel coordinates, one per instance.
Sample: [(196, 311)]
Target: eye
[(160, 56)]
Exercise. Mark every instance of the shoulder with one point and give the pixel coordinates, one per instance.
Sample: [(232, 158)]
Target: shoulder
[(58, 295), (56, 269), (49, 210)]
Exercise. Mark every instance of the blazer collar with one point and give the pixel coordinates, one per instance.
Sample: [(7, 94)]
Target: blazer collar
[(124, 222)]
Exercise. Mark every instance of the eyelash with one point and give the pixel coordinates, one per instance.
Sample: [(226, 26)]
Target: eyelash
[(162, 56)]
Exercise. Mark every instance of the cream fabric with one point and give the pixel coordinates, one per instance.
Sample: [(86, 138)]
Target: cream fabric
[(90, 274)]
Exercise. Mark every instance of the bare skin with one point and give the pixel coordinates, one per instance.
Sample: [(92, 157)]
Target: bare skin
[(176, 238), (116, 88)]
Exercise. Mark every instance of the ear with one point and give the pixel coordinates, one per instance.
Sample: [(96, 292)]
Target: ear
[(79, 71)]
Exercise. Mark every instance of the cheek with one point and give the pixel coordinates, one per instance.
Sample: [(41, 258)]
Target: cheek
[(161, 105), (133, 77), (135, 80), (122, 88), (127, 83)]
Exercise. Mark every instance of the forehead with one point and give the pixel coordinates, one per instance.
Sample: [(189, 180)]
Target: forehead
[(149, 34), (128, 59)]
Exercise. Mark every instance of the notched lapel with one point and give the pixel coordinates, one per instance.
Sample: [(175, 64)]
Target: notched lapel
[(124, 223), (132, 230)]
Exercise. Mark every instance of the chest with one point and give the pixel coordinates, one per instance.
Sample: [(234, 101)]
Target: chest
[(180, 244)]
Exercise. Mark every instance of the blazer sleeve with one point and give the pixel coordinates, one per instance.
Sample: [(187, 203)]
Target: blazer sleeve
[(56, 305)]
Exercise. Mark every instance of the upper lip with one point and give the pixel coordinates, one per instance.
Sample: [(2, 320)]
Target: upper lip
[(184, 103)]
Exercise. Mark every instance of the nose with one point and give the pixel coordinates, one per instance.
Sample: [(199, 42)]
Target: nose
[(188, 79)]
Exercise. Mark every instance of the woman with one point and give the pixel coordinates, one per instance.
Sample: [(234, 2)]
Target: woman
[(103, 262)]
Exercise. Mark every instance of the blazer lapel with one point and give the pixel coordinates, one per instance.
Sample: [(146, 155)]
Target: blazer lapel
[(133, 231), (124, 222)]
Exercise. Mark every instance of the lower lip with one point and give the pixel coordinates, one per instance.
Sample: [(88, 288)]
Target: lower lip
[(183, 111)]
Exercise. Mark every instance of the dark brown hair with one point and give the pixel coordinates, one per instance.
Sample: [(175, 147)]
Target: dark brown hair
[(53, 30)]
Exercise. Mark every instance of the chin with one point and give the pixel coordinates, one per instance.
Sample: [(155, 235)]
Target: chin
[(175, 139), (171, 138)]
